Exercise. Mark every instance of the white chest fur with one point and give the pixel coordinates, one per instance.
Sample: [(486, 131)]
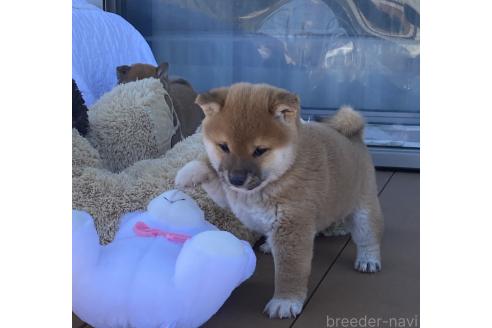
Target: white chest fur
[(251, 210)]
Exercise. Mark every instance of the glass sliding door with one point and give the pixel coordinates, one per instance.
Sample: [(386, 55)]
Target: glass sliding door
[(365, 53)]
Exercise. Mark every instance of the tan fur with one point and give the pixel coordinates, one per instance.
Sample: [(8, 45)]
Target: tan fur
[(135, 72), (348, 122), (313, 174)]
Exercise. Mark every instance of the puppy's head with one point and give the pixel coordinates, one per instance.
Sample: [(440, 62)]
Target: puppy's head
[(135, 72), (250, 133), (126, 74)]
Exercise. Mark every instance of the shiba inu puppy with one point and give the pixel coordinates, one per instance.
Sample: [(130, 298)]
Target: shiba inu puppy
[(288, 180)]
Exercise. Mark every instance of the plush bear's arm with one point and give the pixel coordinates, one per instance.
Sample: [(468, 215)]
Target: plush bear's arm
[(208, 269)]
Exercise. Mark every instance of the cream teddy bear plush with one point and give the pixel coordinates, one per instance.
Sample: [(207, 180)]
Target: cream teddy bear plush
[(125, 160)]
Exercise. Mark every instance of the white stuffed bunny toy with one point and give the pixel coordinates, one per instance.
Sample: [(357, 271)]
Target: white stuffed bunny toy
[(166, 267)]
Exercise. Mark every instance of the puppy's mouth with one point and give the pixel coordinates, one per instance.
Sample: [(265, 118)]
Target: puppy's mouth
[(251, 184)]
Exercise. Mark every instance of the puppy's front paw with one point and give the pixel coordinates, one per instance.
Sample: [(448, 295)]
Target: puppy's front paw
[(283, 308), (192, 174), (369, 266), (368, 259)]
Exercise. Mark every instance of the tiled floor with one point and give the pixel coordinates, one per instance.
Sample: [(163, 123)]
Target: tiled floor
[(336, 291)]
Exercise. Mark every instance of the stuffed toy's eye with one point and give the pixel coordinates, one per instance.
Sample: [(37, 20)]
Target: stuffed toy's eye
[(224, 147), (259, 151)]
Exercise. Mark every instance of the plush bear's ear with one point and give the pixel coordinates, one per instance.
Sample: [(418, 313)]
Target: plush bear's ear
[(286, 106), (121, 72), (212, 101)]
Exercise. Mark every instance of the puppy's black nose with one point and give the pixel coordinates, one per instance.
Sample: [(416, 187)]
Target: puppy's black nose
[(238, 178)]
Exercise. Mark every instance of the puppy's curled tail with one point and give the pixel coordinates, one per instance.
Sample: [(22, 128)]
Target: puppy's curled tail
[(348, 122)]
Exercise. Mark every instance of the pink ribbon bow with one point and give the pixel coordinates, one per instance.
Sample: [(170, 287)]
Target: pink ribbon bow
[(143, 230)]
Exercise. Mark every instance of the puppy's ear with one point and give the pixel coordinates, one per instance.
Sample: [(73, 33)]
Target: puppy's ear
[(286, 107), (121, 72), (162, 71), (212, 101), (162, 74)]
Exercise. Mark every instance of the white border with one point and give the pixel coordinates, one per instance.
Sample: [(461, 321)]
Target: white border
[(35, 134), (455, 164)]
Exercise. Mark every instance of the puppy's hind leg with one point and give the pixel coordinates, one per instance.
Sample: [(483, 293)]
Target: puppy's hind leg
[(366, 228)]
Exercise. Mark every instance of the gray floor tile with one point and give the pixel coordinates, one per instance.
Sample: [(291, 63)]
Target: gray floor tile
[(391, 294)]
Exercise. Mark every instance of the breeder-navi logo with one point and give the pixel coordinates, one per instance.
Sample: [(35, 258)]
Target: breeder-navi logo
[(372, 322)]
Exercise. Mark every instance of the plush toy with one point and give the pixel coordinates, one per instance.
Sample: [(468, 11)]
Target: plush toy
[(130, 123), (125, 161), (166, 267)]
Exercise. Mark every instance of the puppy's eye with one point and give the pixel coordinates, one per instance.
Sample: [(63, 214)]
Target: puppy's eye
[(224, 147), (259, 151)]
